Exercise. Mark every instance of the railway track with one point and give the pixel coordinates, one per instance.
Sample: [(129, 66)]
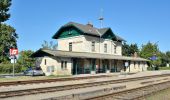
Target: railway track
[(69, 87), (134, 94), (49, 80)]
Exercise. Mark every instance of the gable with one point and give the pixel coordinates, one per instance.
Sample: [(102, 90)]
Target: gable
[(66, 32), (109, 35), (74, 29)]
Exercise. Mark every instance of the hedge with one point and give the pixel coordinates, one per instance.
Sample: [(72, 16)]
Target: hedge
[(8, 68)]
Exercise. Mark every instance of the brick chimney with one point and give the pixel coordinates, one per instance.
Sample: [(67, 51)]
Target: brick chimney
[(135, 54), (90, 24)]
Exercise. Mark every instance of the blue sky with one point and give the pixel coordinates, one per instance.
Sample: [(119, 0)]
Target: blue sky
[(137, 21)]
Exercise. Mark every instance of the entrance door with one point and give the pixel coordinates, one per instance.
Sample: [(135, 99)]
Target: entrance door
[(74, 69)]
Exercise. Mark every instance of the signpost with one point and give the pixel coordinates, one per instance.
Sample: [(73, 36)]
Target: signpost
[(126, 65), (153, 58), (13, 53)]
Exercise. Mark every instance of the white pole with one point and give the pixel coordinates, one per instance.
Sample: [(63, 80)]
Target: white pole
[(13, 66)]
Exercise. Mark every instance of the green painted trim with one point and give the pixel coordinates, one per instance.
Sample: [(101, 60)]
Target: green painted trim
[(109, 35), (65, 32), (68, 32)]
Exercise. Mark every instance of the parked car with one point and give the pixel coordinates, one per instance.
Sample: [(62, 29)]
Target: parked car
[(31, 72)]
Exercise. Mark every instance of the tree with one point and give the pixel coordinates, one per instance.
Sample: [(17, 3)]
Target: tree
[(8, 39), (150, 50), (4, 8), (133, 48), (8, 36), (164, 59), (49, 45), (129, 50), (168, 56), (25, 59), (125, 49)]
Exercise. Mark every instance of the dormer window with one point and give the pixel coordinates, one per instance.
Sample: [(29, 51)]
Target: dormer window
[(69, 32)]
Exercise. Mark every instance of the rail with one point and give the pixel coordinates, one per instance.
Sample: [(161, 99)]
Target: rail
[(69, 87)]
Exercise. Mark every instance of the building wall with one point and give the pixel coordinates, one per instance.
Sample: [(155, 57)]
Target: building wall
[(77, 43), (53, 66), (84, 44), (137, 66)]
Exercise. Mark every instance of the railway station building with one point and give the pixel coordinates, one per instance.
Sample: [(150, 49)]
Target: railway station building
[(84, 49)]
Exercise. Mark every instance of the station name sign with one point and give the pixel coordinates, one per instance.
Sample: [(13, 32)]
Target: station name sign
[(13, 52)]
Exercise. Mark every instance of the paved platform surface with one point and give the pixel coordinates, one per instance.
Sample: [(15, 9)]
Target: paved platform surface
[(129, 85), (114, 76)]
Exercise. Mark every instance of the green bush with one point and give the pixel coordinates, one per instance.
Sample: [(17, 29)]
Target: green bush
[(8, 68), (149, 68)]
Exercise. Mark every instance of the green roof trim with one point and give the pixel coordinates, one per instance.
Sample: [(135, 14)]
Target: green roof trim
[(66, 32), (74, 29), (109, 35)]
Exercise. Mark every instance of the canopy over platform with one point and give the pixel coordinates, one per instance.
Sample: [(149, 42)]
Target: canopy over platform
[(59, 53)]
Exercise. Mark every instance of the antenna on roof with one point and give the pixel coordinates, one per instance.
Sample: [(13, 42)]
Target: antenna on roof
[(101, 18)]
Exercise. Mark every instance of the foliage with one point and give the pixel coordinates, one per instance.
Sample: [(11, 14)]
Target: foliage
[(8, 39), (49, 45), (164, 59), (4, 8), (8, 36), (8, 68), (133, 48), (168, 56), (25, 59), (125, 49), (150, 50), (129, 50)]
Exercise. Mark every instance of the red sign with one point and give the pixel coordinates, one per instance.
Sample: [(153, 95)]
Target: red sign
[(13, 52)]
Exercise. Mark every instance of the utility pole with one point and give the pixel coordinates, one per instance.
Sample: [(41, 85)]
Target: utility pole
[(101, 18), (101, 26)]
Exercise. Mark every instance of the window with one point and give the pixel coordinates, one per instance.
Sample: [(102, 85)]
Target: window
[(93, 46), (138, 64), (63, 65), (50, 68), (70, 46), (105, 47), (45, 62), (115, 47)]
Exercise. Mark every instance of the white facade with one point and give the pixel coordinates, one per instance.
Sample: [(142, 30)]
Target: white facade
[(52, 66), (74, 37), (83, 43)]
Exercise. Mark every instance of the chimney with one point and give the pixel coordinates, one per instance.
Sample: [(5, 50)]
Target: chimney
[(135, 54), (90, 24)]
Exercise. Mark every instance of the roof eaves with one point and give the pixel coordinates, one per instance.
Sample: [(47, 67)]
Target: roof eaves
[(67, 25)]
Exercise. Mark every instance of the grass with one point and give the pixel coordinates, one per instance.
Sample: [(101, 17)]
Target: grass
[(164, 68), (161, 95)]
